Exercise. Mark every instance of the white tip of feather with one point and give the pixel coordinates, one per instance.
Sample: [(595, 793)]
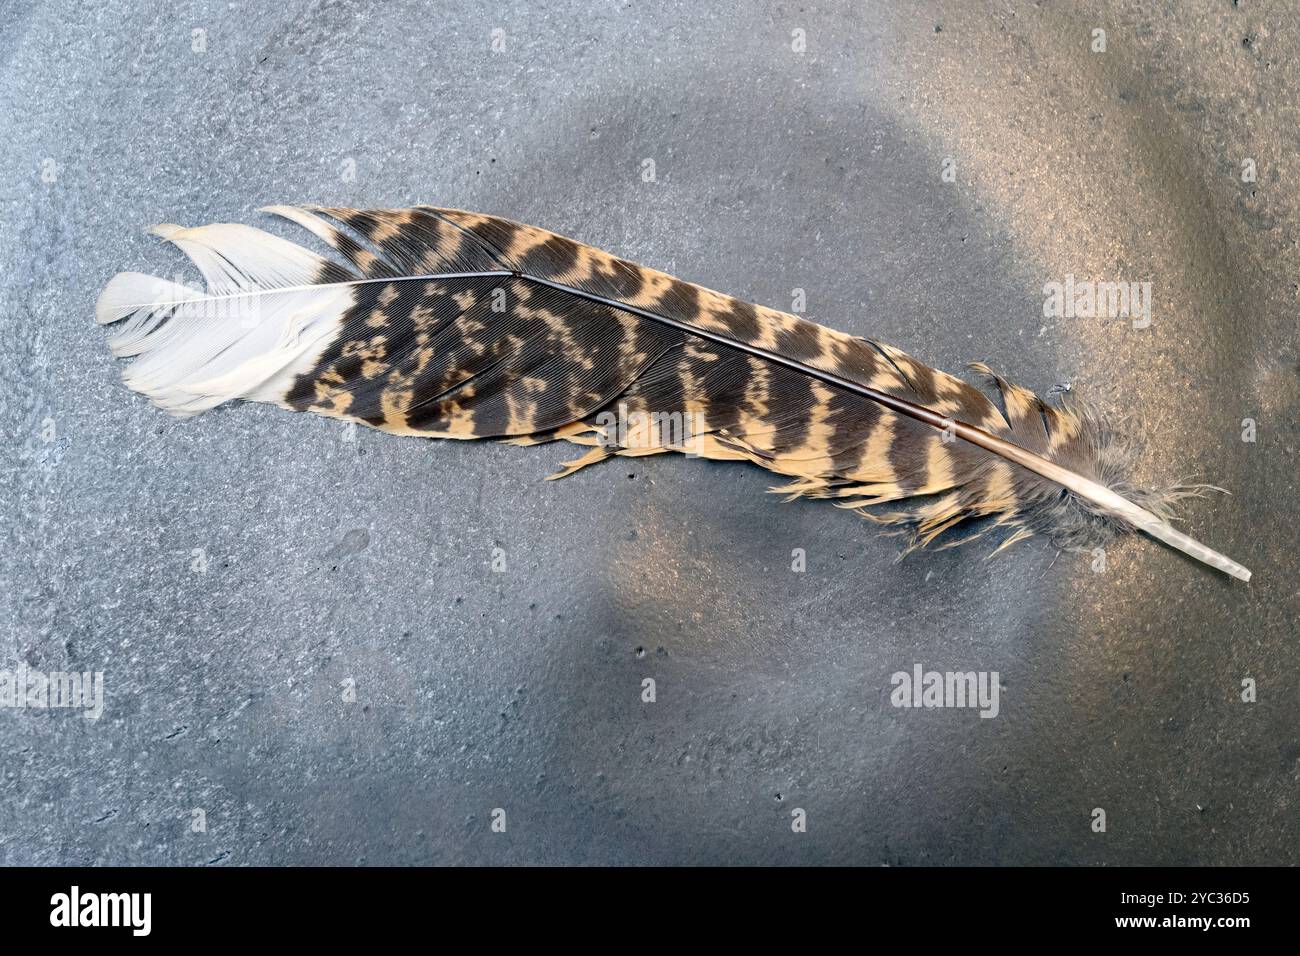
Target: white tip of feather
[(261, 322), (201, 357)]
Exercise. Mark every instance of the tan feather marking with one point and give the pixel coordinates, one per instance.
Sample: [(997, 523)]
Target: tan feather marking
[(371, 353), (523, 418), (770, 322), (886, 379), (735, 447), (752, 423), (388, 224), (447, 248), (832, 351), (938, 467), (812, 458), (946, 386), (691, 405), (991, 421), (938, 518), (715, 448), (873, 495), (874, 466), (575, 431), (715, 317), (335, 400), (560, 328), (582, 268), (877, 479), (596, 454), (528, 441), (802, 487), (1065, 429), (949, 393), (1021, 403), (849, 356), (653, 286), (460, 420), (423, 356), (699, 351), (949, 387), (641, 452), (629, 355), (999, 491), (423, 319), (526, 238), (394, 402)]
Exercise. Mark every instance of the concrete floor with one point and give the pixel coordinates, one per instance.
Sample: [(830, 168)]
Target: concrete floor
[(367, 562)]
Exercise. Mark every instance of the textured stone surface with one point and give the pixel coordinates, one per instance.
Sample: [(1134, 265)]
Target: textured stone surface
[(370, 560)]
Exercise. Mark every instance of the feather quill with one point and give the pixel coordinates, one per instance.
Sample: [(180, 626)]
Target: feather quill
[(448, 324)]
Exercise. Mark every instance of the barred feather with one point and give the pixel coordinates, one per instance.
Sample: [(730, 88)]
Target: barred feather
[(448, 324)]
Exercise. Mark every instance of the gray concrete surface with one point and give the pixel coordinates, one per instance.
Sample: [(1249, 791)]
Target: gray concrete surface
[(370, 560)]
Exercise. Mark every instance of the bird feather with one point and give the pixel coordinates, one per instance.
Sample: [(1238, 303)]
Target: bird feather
[(449, 324)]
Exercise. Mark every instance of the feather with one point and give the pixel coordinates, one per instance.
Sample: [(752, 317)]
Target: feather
[(449, 324)]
